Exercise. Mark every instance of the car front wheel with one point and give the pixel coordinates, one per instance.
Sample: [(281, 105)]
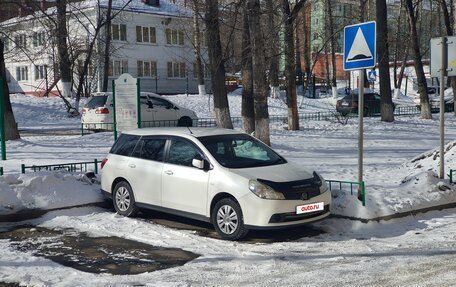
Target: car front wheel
[(228, 220), (124, 200)]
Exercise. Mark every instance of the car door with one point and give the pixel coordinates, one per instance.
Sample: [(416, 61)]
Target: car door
[(163, 112), (184, 187), (145, 169)]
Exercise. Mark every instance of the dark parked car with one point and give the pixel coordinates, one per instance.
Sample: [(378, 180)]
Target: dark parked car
[(349, 104)]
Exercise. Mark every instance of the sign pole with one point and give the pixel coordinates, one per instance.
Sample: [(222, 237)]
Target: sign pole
[(360, 127), (442, 107), (114, 116), (2, 120), (138, 99)]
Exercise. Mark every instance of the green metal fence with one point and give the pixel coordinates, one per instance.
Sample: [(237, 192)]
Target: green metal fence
[(1, 171), (451, 175), (359, 187), (71, 167)]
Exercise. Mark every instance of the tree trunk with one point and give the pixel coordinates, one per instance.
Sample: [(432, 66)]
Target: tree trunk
[(386, 103), (107, 48), (330, 28), (199, 69), (62, 48), (221, 107), (422, 85), (247, 110), (260, 90), (273, 50), (11, 131), (449, 32), (290, 73)]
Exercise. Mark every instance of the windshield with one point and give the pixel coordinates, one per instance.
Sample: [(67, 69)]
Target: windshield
[(240, 151), (96, 102)]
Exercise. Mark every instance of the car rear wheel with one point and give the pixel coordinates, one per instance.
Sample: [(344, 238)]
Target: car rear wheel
[(124, 200), (228, 220), (185, 122)]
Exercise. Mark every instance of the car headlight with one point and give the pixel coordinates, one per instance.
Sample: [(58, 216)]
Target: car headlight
[(263, 191), (323, 185)]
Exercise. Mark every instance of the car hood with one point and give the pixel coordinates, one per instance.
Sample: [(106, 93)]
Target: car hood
[(277, 173)]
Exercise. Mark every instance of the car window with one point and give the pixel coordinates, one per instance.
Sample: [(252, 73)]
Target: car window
[(150, 148), (160, 102), (96, 102), (240, 151), (124, 145), (182, 152)]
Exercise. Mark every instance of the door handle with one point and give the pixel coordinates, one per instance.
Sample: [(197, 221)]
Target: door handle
[(132, 165), (169, 172)]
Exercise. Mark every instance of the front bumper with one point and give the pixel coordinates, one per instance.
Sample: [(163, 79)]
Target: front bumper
[(270, 214)]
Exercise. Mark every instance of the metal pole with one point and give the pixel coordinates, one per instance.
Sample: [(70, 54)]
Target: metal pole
[(442, 107), (114, 109), (138, 98), (360, 129), (2, 120)]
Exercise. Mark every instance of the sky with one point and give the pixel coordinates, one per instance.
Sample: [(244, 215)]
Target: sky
[(400, 171)]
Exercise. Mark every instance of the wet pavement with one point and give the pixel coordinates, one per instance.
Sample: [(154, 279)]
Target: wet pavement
[(113, 255)]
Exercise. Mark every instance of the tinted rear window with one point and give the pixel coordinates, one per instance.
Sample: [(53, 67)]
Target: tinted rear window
[(96, 102), (124, 145)]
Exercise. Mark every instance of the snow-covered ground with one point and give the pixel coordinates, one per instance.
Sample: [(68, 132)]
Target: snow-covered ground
[(401, 164)]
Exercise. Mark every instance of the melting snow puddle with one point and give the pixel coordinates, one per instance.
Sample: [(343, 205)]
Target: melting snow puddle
[(113, 255)]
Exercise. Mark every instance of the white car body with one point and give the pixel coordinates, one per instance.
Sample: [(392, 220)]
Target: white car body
[(97, 114), (194, 191)]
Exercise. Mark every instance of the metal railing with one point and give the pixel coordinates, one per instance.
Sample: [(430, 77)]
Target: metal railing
[(211, 122), (70, 167), (451, 176), (353, 185)]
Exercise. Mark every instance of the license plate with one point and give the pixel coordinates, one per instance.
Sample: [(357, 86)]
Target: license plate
[(345, 104), (318, 206)]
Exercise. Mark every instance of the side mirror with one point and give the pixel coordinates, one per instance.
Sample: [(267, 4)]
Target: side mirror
[(200, 164)]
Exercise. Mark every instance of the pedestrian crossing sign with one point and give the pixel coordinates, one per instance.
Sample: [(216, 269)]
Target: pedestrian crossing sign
[(360, 46)]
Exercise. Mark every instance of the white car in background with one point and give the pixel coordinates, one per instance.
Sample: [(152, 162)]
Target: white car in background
[(221, 176), (97, 114)]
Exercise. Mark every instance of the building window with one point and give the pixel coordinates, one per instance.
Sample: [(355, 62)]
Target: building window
[(21, 41), (22, 73), (118, 67), (145, 34), (176, 70), (174, 37), (147, 69), (119, 32), (38, 39), (206, 74), (40, 72)]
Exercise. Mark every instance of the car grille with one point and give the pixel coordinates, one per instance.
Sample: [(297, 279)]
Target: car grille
[(297, 190), (292, 216)]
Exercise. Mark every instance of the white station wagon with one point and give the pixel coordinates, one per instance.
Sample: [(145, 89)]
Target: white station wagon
[(221, 176), (97, 114)]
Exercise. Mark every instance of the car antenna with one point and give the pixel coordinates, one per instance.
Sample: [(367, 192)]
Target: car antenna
[(189, 130)]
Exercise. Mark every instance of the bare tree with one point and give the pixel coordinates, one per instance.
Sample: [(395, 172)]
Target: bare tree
[(11, 131), (386, 103), (273, 49), (217, 64), (449, 31), (247, 109), (107, 47), (260, 90), (288, 17), (197, 48), (422, 85), (62, 48), (330, 29)]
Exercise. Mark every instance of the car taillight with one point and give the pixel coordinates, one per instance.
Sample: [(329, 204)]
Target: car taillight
[(83, 111), (103, 162), (338, 103), (102, 111)]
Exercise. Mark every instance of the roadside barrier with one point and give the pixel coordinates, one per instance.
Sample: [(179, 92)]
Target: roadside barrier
[(71, 167), (354, 185)]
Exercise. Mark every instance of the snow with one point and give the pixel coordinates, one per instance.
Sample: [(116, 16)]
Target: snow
[(400, 171)]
